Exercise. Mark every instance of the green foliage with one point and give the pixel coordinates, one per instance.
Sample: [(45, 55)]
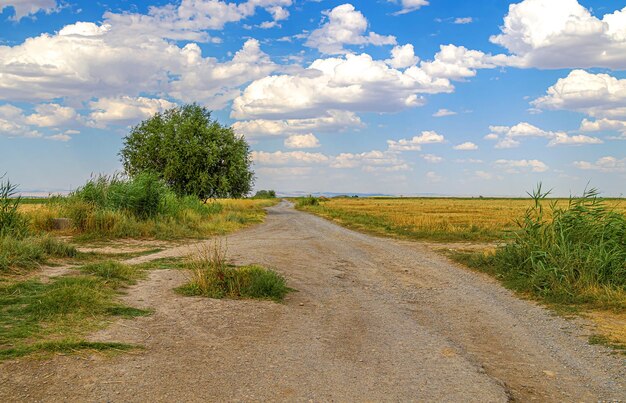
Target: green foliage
[(212, 277), (192, 153), (308, 201), (12, 223), (114, 273), (264, 194), (567, 255)]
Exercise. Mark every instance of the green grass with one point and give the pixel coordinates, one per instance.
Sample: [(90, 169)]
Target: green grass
[(577, 257), (36, 316), (19, 254), (212, 277), (607, 342), (63, 347), (113, 273)]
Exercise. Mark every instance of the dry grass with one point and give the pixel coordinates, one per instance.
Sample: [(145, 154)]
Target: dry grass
[(439, 219)]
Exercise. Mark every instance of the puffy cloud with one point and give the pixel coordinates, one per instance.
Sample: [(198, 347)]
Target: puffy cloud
[(354, 83), (604, 124), (25, 8), (52, 115), (345, 26), (411, 5), (517, 166), (125, 110), (458, 62), (508, 137), (402, 57), (597, 95), (467, 146), (604, 164), (443, 112), (302, 141), (415, 143), (334, 121), (562, 34), (296, 158), (59, 137), (13, 123)]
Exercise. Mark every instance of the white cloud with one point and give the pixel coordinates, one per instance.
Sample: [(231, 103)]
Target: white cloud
[(509, 137), (484, 175), (562, 34), (59, 137), (302, 141), (575, 140), (354, 83), (333, 121), (604, 164), (125, 110), (463, 20), (13, 123), (26, 8), (443, 112), (402, 57), (433, 159), (371, 161), (52, 115), (517, 166), (345, 26), (597, 95), (605, 124), (415, 143), (467, 146), (458, 62), (296, 158), (411, 5)]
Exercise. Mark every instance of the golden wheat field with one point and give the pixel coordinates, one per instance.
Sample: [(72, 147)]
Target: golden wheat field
[(445, 219)]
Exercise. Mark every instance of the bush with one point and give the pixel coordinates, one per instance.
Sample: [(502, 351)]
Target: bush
[(308, 201), (575, 254), (264, 194)]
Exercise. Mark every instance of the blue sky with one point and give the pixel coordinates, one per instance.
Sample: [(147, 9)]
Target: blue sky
[(395, 97)]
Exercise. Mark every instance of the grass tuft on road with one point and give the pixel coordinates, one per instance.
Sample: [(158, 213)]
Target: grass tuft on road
[(212, 277)]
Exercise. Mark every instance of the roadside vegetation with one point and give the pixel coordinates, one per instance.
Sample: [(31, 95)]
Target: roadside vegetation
[(211, 276), (570, 253)]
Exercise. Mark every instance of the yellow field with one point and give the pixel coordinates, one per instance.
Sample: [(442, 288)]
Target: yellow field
[(444, 219)]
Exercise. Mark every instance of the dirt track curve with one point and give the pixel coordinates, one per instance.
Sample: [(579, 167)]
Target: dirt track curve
[(373, 320)]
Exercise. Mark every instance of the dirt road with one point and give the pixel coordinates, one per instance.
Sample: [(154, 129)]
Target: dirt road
[(373, 319)]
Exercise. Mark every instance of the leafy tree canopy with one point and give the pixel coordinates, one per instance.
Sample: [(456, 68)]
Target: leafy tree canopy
[(192, 153)]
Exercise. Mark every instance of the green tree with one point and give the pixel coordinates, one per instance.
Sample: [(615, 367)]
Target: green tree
[(192, 153)]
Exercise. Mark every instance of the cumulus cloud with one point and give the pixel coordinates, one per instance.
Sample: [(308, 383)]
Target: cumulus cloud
[(294, 158), (597, 95), (443, 112), (467, 146), (371, 161), (415, 143), (333, 121), (125, 110), (433, 159), (345, 26), (411, 5), (52, 115), (604, 164), (518, 166), (463, 20), (302, 141), (562, 34), (26, 8), (13, 123), (356, 83), (509, 137), (402, 57), (458, 62)]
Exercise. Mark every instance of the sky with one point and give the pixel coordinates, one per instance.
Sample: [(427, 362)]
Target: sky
[(399, 97)]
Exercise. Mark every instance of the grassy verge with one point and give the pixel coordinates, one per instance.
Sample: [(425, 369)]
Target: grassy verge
[(212, 277), (21, 254), (54, 316)]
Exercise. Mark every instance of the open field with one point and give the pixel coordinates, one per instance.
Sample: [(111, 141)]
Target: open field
[(435, 219)]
